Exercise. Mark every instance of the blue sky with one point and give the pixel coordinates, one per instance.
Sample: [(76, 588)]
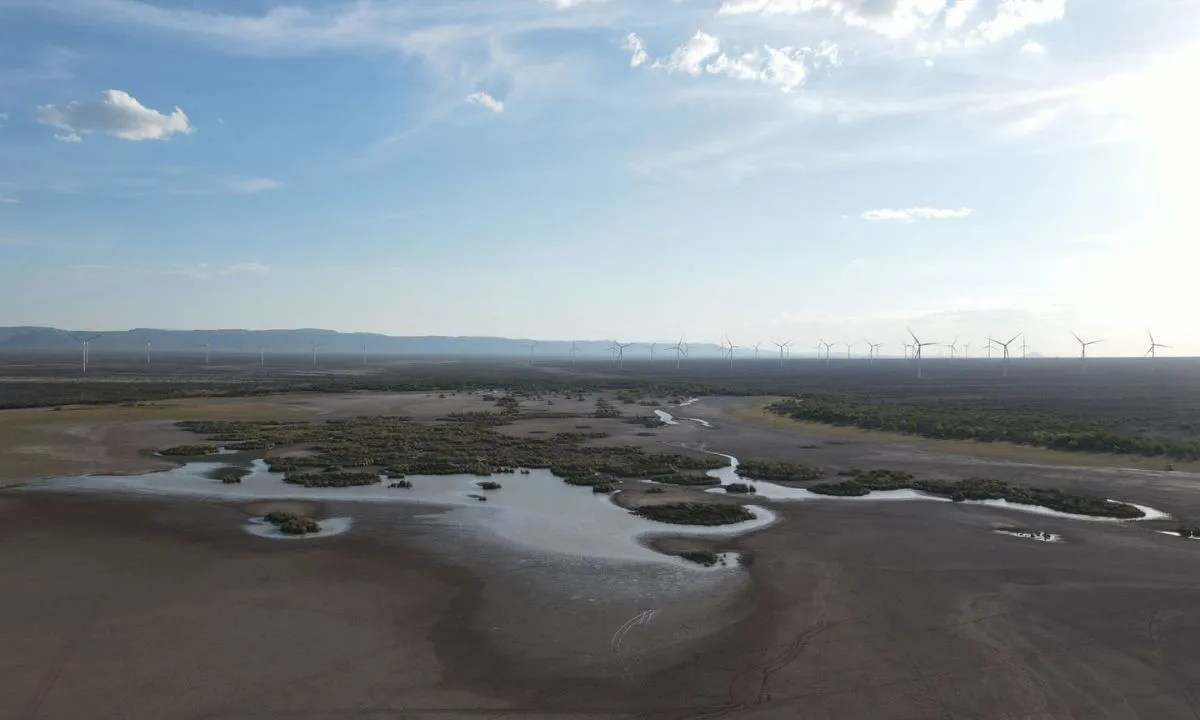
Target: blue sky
[(769, 169)]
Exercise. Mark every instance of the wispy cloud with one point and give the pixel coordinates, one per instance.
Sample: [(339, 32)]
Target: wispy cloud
[(4, 200), (913, 214), (246, 267), (118, 114), (485, 101), (250, 186)]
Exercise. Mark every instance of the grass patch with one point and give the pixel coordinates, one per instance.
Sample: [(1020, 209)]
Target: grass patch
[(338, 479), (686, 480), (190, 451)]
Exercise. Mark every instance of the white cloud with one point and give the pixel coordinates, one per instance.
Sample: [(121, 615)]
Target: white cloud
[(9, 200), (637, 48), (67, 137), (564, 4), (247, 267), (119, 114), (1013, 16), (249, 186), (899, 19), (786, 68), (689, 58), (916, 213), (958, 13), (1033, 47), (485, 101)]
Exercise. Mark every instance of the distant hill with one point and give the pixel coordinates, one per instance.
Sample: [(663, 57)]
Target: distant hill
[(15, 339)]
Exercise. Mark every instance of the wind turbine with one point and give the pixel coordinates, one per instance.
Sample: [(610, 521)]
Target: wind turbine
[(206, 345), (1154, 347), (262, 352), (532, 345), (967, 351), (315, 346), (849, 347), (908, 349), (364, 357), (989, 346), (1005, 345), (621, 353), (574, 351), (85, 343), (953, 347), (1024, 347), (730, 350), (756, 346), (918, 346), (680, 349), (147, 352), (828, 347), (783, 346), (652, 346)]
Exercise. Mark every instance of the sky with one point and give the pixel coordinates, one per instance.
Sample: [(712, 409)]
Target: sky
[(586, 169)]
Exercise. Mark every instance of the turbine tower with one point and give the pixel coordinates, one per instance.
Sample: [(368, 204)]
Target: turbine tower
[(1152, 352), (783, 346), (574, 351), (147, 352), (532, 345), (621, 353), (85, 343), (849, 347), (917, 346), (262, 352), (729, 350), (315, 346), (756, 346), (652, 346), (1004, 346), (680, 349)]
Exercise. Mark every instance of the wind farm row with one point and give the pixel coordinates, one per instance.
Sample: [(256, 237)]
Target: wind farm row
[(918, 349)]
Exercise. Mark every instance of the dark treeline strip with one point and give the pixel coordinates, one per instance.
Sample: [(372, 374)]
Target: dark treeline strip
[(959, 421)]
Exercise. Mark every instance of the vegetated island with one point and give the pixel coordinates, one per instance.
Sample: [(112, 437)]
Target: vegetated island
[(357, 451), (290, 523), (960, 421), (864, 483), (695, 513)]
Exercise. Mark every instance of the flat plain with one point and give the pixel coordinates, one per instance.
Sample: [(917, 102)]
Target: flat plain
[(123, 605)]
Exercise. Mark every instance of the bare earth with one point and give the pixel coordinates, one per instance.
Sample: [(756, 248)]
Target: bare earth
[(143, 608)]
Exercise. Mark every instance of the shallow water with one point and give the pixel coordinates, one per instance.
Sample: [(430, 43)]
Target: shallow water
[(773, 491), (666, 417), (537, 511)]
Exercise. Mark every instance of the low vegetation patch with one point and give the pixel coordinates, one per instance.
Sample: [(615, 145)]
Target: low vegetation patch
[(686, 480), (962, 421), (292, 523), (778, 471), (489, 485), (230, 475), (707, 558), (981, 489), (739, 488), (694, 513), (345, 452), (190, 450), (331, 479), (603, 488)]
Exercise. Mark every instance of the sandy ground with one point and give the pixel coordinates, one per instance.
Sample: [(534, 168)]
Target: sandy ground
[(875, 610)]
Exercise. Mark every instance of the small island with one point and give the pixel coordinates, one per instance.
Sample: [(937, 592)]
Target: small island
[(290, 523), (695, 513)]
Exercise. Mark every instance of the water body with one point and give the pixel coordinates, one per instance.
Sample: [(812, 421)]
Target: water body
[(536, 512), (666, 417), (773, 491)]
